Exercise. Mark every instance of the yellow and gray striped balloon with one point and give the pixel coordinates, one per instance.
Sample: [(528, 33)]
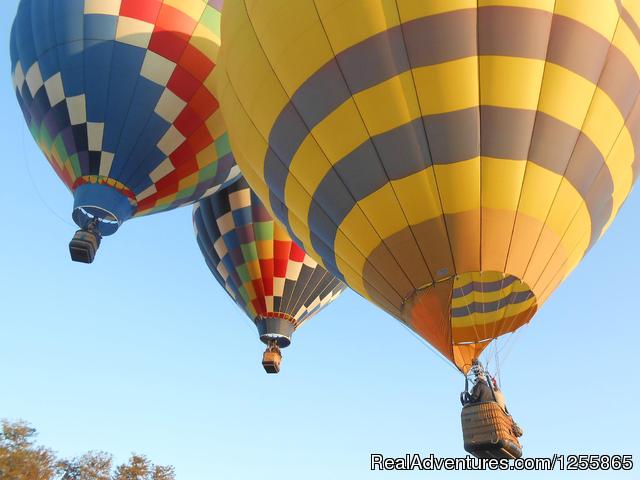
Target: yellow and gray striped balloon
[(451, 160)]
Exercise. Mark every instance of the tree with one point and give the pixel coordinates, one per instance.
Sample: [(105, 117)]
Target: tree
[(22, 459), (90, 466), (163, 473), (140, 468)]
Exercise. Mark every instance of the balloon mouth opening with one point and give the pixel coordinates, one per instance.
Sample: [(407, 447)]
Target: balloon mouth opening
[(274, 329), (280, 340), (102, 206), (89, 213), (462, 315)]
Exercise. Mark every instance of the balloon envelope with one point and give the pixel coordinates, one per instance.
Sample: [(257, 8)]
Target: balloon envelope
[(118, 95), (452, 161), (274, 281)]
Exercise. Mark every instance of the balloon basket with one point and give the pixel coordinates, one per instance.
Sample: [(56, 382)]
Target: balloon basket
[(271, 360), (83, 246), (489, 432)]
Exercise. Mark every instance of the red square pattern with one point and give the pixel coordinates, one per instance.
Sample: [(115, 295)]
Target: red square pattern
[(281, 251), (181, 155), (188, 168), (266, 267), (147, 203), (187, 122), (183, 84), (145, 10), (168, 185), (200, 139), (168, 44), (175, 21), (171, 34), (296, 254), (257, 287), (203, 103), (196, 63)]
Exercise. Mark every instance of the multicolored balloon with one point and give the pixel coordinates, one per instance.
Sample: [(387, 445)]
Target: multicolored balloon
[(118, 94), (273, 280), (452, 161)]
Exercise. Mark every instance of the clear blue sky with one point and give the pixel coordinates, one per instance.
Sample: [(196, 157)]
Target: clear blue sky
[(143, 351)]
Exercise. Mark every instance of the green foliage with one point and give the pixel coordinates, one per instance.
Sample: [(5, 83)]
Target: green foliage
[(22, 459)]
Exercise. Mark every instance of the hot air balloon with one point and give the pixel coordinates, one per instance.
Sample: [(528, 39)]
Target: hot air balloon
[(275, 283), (118, 96), (450, 160)]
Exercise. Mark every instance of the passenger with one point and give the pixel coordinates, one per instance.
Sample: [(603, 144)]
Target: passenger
[(499, 396), (517, 431), (481, 392)]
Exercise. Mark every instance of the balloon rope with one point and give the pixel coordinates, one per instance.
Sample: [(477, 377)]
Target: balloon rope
[(498, 367), (436, 352), (513, 340), (33, 182)]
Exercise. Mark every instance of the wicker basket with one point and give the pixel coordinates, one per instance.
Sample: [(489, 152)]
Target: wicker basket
[(83, 246), (489, 432), (271, 361)]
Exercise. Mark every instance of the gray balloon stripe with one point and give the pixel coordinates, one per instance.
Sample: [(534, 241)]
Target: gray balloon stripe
[(483, 287), (440, 38), (628, 19), (488, 307), (507, 133)]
